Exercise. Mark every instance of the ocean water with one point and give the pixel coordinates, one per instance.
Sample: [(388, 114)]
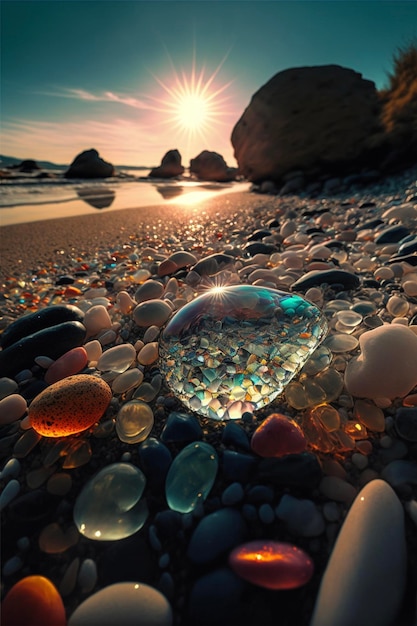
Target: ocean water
[(29, 199)]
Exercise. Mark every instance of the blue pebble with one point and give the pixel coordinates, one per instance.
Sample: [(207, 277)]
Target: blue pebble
[(233, 494), (181, 427), (260, 494), (266, 514), (155, 459), (215, 535), (250, 513), (237, 467), (216, 598), (235, 435)]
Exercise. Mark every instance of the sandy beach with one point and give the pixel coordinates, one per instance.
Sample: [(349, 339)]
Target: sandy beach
[(24, 247)]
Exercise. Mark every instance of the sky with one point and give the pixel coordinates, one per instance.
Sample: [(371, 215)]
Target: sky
[(135, 79)]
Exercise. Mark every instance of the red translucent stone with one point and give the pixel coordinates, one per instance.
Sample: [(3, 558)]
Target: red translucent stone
[(68, 364), (272, 564), (33, 601), (277, 436)]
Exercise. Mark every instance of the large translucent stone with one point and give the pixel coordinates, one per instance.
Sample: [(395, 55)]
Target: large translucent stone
[(110, 507), (191, 476), (234, 349)]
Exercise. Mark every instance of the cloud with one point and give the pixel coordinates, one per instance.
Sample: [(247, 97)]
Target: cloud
[(105, 96), (117, 140)]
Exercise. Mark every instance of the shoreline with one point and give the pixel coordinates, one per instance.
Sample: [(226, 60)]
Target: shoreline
[(25, 246)]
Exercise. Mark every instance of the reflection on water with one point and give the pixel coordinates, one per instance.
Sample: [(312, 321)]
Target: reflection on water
[(169, 191), (98, 197)]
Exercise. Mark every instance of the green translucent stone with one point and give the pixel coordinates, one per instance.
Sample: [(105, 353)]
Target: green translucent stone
[(191, 477), (109, 507)]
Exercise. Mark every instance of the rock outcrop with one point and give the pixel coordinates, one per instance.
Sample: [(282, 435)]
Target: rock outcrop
[(170, 166), (28, 166), (88, 164), (315, 119), (211, 166)]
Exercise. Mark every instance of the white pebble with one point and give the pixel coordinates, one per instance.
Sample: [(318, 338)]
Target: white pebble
[(96, 319), (151, 334)]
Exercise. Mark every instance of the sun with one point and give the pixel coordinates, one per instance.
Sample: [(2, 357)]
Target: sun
[(194, 103), (193, 111)]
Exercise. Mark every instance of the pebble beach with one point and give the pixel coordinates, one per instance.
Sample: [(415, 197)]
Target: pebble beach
[(319, 485)]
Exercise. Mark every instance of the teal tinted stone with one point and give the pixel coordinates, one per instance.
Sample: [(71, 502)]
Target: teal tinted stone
[(191, 476), (234, 349), (109, 507)]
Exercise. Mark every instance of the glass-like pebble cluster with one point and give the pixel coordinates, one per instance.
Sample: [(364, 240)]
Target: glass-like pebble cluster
[(234, 349)]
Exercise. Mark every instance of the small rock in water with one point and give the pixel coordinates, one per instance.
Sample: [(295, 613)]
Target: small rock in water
[(31, 601), (69, 406), (272, 564), (355, 588), (127, 603), (277, 436), (191, 477), (110, 507), (220, 353)]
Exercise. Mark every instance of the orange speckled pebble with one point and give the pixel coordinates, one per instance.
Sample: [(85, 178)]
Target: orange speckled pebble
[(33, 601), (69, 406)]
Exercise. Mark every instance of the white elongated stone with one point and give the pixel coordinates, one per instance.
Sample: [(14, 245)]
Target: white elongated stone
[(365, 578)]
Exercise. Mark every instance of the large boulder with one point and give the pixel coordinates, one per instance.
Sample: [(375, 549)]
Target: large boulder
[(170, 166), (88, 164), (315, 119), (211, 166)]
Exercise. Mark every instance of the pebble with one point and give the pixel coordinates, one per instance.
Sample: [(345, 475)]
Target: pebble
[(387, 365), (150, 290), (148, 354), (272, 564), (7, 386), (10, 491), (96, 318), (11, 469), (129, 379), (337, 489), (152, 313), (68, 364), (235, 435), (39, 320), (54, 540), (69, 406), (117, 359), (109, 507), (191, 476), (369, 415), (87, 576), (181, 427), (12, 408), (127, 603), (301, 517), (277, 436), (355, 588), (400, 473), (233, 494), (33, 600), (406, 423), (295, 470), (216, 598), (52, 342), (216, 534), (134, 421), (155, 459), (59, 484)]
